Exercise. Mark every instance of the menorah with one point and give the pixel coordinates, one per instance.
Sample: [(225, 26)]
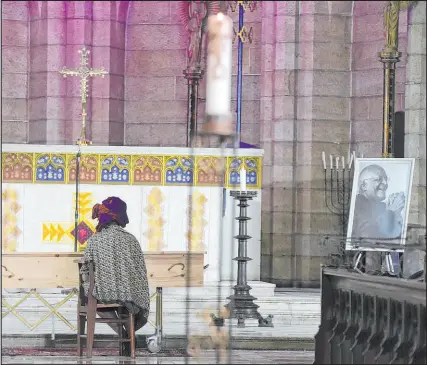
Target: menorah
[(338, 183)]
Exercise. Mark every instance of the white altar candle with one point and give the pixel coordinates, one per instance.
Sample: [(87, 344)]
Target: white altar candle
[(324, 160), (351, 160), (337, 160), (218, 72), (242, 179), (330, 160), (343, 162)]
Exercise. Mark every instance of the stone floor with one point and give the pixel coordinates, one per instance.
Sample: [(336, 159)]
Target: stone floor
[(296, 319), (209, 357), (296, 314)]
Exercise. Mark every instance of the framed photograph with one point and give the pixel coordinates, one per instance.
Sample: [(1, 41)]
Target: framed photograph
[(379, 206)]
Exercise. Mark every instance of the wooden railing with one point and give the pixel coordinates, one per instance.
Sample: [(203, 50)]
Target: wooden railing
[(369, 319)]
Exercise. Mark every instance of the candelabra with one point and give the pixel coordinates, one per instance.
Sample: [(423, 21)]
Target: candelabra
[(241, 305), (337, 185)]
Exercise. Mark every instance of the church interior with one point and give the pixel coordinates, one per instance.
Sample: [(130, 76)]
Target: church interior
[(314, 84)]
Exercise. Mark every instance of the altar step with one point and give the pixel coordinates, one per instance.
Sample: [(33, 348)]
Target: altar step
[(259, 289), (169, 342), (296, 318)]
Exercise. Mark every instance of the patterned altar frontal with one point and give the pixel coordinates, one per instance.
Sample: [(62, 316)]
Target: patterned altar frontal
[(129, 169), (39, 197)]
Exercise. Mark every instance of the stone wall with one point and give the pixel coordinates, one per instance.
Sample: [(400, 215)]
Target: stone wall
[(367, 75), (415, 109), (14, 72), (155, 87), (305, 109), (251, 69), (415, 119), (39, 38), (312, 83)]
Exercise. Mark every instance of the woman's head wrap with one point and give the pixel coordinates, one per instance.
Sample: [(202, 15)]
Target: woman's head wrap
[(111, 209)]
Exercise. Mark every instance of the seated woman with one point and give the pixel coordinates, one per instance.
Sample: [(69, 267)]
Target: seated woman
[(120, 272)]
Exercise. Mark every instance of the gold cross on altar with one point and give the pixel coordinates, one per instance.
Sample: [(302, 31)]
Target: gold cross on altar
[(84, 72)]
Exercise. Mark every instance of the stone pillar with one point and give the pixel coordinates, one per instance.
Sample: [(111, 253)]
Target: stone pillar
[(277, 124), (57, 31), (415, 123), (305, 109), (108, 51), (156, 91), (47, 111), (323, 124), (14, 72)]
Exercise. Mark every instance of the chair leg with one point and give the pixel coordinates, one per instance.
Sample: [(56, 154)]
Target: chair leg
[(121, 332), (81, 323), (132, 335), (91, 316)]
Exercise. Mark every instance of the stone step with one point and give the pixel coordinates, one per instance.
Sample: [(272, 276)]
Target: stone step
[(224, 289), (296, 315), (169, 342)]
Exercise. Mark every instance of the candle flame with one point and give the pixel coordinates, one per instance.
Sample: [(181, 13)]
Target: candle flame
[(220, 16)]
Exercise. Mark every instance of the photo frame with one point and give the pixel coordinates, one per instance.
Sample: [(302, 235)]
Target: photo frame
[(380, 200)]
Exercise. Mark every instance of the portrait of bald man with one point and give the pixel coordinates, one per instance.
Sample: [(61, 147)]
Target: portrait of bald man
[(375, 214)]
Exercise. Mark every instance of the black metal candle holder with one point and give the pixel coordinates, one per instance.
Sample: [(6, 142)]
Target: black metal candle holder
[(338, 194), (241, 305), (338, 187)]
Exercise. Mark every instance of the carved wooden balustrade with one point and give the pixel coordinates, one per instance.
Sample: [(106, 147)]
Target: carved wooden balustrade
[(369, 319)]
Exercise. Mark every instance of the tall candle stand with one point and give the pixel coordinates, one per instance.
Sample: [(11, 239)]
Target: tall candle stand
[(241, 305)]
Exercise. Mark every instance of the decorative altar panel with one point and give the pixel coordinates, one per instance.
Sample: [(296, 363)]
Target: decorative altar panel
[(156, 183)]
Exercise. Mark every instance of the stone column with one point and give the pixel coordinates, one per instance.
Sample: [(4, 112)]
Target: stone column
[(277, 114), (323, 124), (108, 51), (14, 72), (156, 91), (415, 123), (47, 111), (305, 97)]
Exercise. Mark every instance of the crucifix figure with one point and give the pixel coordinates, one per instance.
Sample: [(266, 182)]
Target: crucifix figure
[(83, 72)]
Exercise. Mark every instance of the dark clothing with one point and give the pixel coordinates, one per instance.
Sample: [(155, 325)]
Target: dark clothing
[(373, 220)]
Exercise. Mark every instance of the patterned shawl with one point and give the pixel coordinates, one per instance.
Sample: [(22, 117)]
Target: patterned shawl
[(120, 272)]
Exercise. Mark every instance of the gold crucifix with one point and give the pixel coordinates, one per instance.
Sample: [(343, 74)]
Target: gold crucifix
[(83, 72)]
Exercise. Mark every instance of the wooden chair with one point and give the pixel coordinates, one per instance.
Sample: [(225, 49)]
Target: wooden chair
[(86, 312)]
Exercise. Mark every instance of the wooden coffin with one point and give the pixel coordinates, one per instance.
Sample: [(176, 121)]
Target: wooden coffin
[(60, 270)]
